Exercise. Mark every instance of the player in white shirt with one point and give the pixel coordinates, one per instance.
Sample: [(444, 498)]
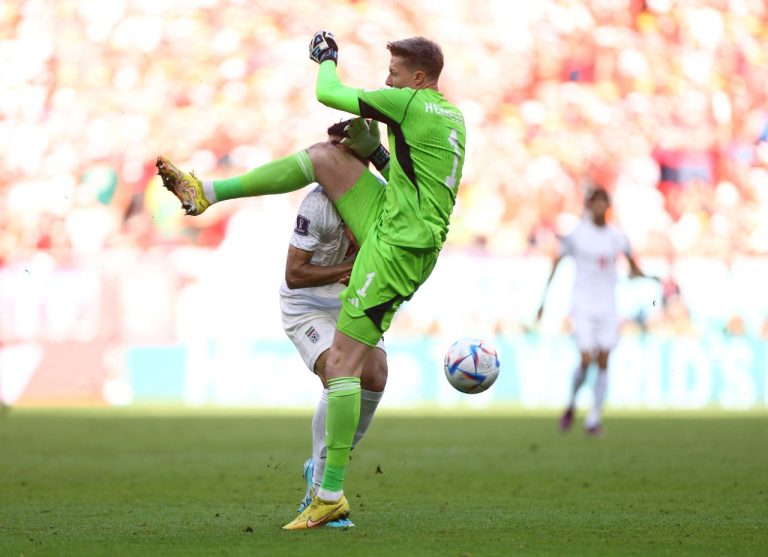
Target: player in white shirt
[(319, 262), (595, 247)]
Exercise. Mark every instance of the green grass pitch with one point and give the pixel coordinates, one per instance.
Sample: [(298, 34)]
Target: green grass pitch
[(106, 482)]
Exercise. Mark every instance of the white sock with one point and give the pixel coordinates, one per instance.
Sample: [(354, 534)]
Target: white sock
[(209, 192), (601, 389), (329, 496), (369, 401), (579, 375), (318, 439)]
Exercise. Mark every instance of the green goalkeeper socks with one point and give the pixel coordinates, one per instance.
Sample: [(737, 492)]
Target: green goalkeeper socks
[(281, 176), (340, 424)]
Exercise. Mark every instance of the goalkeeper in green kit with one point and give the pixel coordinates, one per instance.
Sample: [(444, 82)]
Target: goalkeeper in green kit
[(400, 226)]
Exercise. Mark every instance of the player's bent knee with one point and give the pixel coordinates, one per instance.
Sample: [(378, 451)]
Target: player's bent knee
[(319, 153), (375, 372), (326, 158), (335, 170)]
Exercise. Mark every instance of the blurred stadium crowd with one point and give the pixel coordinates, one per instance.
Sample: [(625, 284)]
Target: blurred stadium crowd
[(661, 101)]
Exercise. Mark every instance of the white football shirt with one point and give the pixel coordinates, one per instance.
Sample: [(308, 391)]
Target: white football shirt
[(595, 250), (319, 229)]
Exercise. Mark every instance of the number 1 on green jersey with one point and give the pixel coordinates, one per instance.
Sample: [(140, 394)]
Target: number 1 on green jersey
[(453, 139)]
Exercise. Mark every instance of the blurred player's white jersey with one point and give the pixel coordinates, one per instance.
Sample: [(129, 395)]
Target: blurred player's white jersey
[(595, 249), (319, 229)]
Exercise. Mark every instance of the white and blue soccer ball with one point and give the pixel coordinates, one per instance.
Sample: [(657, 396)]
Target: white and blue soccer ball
[(471, 365)]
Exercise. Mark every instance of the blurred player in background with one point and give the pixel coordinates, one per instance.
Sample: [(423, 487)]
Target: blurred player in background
[(401, 228), (319, 264), (595, 247)]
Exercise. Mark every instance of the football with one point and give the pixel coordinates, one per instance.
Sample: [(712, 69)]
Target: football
[(471, 365)]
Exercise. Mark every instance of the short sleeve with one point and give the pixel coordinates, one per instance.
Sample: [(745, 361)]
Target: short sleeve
[(310, 222)]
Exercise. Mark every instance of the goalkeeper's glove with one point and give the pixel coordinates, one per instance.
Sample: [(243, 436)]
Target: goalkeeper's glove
[(362, 136), (323, 47)]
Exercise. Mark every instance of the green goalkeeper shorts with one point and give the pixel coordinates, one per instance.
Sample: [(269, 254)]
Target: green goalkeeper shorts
[(384, 275), (361, 206)]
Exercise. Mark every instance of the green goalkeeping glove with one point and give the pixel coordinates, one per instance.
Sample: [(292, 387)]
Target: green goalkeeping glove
[(362, 136)]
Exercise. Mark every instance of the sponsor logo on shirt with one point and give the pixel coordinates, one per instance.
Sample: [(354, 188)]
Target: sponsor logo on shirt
[(302, 226)]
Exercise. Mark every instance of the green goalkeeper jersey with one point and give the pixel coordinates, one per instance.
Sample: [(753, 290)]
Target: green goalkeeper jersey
[(426, 139)]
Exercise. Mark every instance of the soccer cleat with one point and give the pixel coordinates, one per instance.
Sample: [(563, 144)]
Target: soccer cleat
[(309, 468), (319, 513), (594, 430), (184, 185), (342, 522), (566, 419)]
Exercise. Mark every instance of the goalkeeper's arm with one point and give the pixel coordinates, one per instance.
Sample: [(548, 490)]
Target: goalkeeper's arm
[(332, 93)]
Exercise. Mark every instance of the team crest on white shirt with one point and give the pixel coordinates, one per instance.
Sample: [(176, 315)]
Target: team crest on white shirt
[(312, 335)]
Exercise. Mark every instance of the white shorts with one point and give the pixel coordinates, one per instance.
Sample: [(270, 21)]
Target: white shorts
[(595, 331), (310, 329)]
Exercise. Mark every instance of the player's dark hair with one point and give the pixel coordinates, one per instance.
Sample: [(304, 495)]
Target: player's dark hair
[(598, 192), (338, 128), (419, 53)]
